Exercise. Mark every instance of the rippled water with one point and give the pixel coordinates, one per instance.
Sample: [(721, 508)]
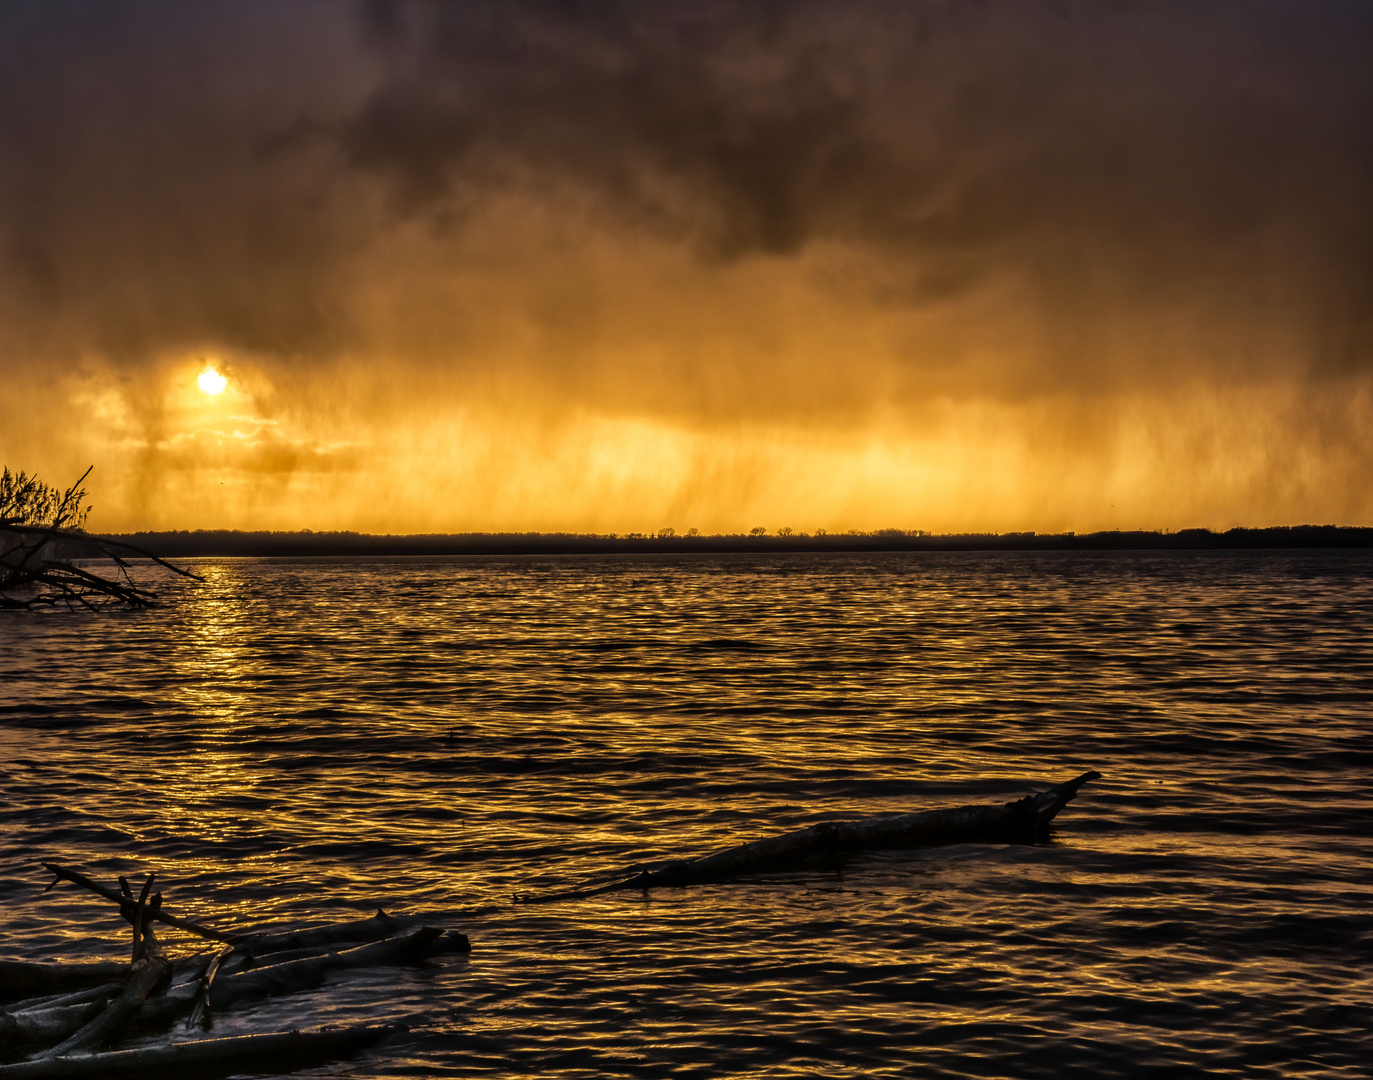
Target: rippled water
[(298, 740)]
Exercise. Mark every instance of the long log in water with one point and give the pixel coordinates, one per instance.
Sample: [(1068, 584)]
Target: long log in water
[(19, 978), (301, 974), (1022, 821), (308, 971), (207, 1057), (374, 928), (50, 1024), (29, 1028)]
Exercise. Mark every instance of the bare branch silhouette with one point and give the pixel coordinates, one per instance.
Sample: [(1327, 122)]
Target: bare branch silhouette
[(42, 534)]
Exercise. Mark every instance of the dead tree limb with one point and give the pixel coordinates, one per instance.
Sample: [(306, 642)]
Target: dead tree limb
[(127, 907), (205, 983), (42, 532), (1023, 821), (150, 973)]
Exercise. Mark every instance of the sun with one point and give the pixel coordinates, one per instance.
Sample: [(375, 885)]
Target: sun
[(211, 381)]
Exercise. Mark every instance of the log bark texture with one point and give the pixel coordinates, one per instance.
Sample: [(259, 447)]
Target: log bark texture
[(45, 1026)]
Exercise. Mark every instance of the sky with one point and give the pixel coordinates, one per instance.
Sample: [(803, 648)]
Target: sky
[(613, 267)]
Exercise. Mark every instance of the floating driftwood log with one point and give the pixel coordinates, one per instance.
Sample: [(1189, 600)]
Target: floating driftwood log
[(90, 1006), (1024, 821)]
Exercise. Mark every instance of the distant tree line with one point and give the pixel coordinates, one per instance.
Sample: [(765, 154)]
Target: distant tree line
[(265, 543)]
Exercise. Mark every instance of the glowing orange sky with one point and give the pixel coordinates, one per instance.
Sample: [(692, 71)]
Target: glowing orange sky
[(487, 267)]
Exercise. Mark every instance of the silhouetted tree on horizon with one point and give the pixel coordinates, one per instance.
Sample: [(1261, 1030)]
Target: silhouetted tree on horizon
[(42, 534)]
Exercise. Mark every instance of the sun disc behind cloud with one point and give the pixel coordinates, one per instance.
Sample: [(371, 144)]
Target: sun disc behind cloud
[(211, 381)]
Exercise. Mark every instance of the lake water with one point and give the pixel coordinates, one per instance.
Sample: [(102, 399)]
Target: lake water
[(305, 740)]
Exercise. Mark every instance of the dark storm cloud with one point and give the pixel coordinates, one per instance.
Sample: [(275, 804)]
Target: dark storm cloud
[(975, 264), (1211, 153), (137, 210), (180, 172)]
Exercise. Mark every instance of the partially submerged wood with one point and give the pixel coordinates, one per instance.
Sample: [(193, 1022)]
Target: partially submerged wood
[(127, 907), (205, 1057), (50, 1024), (204, 983), (373, 928), (150, 973), (1022, 821), (76, 997), (135, 997), (291, 976), (226, 991), (20, 978)]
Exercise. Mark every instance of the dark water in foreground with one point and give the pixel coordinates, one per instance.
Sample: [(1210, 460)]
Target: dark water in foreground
[(307, 740)]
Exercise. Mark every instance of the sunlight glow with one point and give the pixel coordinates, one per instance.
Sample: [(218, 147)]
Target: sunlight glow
[(211, 381)]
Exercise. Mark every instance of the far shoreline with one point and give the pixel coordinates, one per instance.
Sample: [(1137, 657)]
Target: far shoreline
[(233, 543)]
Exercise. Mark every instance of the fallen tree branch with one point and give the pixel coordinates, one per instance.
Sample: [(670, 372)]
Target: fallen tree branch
[(201, 1008), (127, 907), (42, 531), (151, 972), (373, 928), (1023, 821)]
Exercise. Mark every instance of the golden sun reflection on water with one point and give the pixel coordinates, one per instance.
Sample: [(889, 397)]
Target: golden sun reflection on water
[(209, 660)]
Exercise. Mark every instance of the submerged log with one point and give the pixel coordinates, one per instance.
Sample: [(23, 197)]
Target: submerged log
[(373, 928), (308, 971), (151, 971), (20, 978), (292, 975), (76, 997), (1023, 821), (44, 1027), (50, 1024), (207, 1057)]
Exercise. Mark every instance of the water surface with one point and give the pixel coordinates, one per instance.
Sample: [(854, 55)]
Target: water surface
[(300, 740)]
